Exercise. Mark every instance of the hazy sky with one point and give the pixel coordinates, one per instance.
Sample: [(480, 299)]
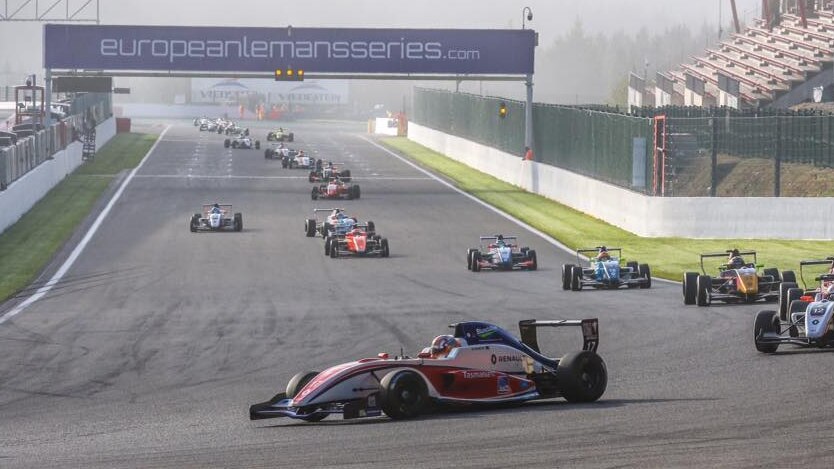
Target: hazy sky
[(20, 43)]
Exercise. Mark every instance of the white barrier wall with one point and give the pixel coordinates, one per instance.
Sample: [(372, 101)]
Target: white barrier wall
[(24, 193), (688, 217)]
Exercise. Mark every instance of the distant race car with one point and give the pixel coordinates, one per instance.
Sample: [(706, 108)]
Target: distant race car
[(327, 170), (481, 364), (335, 189), (500, 252), (214, 217), (737, 282), (790, 291), (331, 222), (809, 321), (604, 269), (277, 151), (298, 160), (201, 121), (243, 142), (360, 241), (280, 135)]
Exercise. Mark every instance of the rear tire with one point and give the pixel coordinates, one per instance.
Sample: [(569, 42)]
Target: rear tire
[(704, 287), (327, 242), (476, 259), (356, 192), (766, 322), (784, 301), (788, 276), (334, 248), (582, 376), (469, 253), (645, 273), (238, 222), (385, 249), (371, 227), (690, 287), (226, 143), (403, 395), (531, 256), (315, 193), (194, 223)]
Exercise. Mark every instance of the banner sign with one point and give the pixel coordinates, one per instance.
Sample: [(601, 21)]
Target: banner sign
[(307, 92), (315, 50)]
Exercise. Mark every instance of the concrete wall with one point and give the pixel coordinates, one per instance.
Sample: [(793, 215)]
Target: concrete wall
[(25, 192), (689, 217)]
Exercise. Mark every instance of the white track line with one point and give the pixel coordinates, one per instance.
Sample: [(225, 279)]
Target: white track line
[(83, 243)]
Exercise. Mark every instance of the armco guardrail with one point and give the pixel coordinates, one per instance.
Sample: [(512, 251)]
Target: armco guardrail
[(688, 217)]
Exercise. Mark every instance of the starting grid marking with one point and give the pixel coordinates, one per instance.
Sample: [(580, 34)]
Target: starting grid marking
[(229, 176)]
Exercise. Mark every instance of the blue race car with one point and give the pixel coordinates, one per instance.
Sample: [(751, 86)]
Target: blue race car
[(604, 269), (500, 252)]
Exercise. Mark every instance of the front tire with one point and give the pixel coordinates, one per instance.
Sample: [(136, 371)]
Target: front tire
[(567, 271), (690, 287), (766, 322), (310, 227), (576, 278), (385, 249), (403, 395), (582, 376), (704, 287), (238, 221), (645, 273)]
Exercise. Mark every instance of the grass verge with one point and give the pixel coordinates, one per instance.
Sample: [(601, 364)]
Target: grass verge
[(668, 257), (29, 245)]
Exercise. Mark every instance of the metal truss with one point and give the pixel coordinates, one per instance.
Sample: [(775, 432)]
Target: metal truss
[(54, 11)]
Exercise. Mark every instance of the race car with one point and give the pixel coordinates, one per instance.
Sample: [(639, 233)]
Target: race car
[(481, 364), (277, 151), (604, 269), (334, 223), (280, 135), (360, 241), (500, 252), (810, 322), (242, 141), (299, 160), (737, 282), (327, 170), (200, 122), (214, 217), (209, 125), (789, 290), (335, 188)]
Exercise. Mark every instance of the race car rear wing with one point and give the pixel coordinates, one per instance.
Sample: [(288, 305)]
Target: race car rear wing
[(590, 331), (829, 261), (226, 208), (725, 255), (493, 238), (583, 252)]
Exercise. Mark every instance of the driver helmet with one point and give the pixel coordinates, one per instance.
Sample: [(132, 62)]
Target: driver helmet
[(603, 253), (442, 345), (736, 262), (829, 292)]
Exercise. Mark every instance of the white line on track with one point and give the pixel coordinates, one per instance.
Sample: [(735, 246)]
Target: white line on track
[(194, 176), (84, 241)]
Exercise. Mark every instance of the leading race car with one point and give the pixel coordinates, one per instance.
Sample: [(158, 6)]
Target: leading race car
[(279, 135), (500, 252), (242, 141), (360, 241), (335, 188), (738, 281), (214, 217), (481, 364), (604, 269), (810, 322), (335, 223)]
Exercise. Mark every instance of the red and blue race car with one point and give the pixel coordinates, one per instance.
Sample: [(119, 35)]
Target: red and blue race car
[(481, 364)]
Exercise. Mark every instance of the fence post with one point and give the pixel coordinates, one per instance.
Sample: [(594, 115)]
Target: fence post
[(777, 161), (713, 157)]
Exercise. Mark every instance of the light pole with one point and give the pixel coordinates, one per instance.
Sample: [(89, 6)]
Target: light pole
[(526, 15)]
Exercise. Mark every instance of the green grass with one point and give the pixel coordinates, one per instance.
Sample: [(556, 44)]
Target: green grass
[(668, 257), (28, 245)]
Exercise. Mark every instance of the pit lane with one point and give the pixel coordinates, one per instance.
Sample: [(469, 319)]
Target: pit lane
[(153, 346)]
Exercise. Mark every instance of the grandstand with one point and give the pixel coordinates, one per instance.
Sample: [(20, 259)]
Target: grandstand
[(784, 58)]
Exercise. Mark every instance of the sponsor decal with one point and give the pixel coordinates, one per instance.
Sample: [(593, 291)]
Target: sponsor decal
[(486, 332), (504, 358), (480, 347), (478, 374), (815, 322), (818, 311), (503, 385)]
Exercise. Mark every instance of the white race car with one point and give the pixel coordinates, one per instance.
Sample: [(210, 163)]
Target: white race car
[(242, 141), (214, 217)]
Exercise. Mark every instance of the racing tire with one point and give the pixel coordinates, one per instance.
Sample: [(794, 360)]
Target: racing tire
[(334, 248), (576, 278), (238, 221), (325, 229), (582, 376), (296, 384), (345, 175), (383, 243), (476, 259), (766, 322), (315, 193), (469, 253), (226, 143), (403, 395), (194, 222), (291, 137), (704, 284), (310, 227), (788, 276), (784, 300), (266, 154), (284, 163), (311, 177), (633, 266), (690, 287), (257, 144), (567, 270), (371, 227), (772, 272), (327, 242), (795, 306), (356, 192), (531, 256), (645, 274)]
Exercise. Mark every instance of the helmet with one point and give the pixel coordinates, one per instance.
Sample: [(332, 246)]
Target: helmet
[(216, 205), (442, 345), (736, 262)]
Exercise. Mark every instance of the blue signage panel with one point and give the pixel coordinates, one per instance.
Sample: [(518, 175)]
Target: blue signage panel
[(315, 50)]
